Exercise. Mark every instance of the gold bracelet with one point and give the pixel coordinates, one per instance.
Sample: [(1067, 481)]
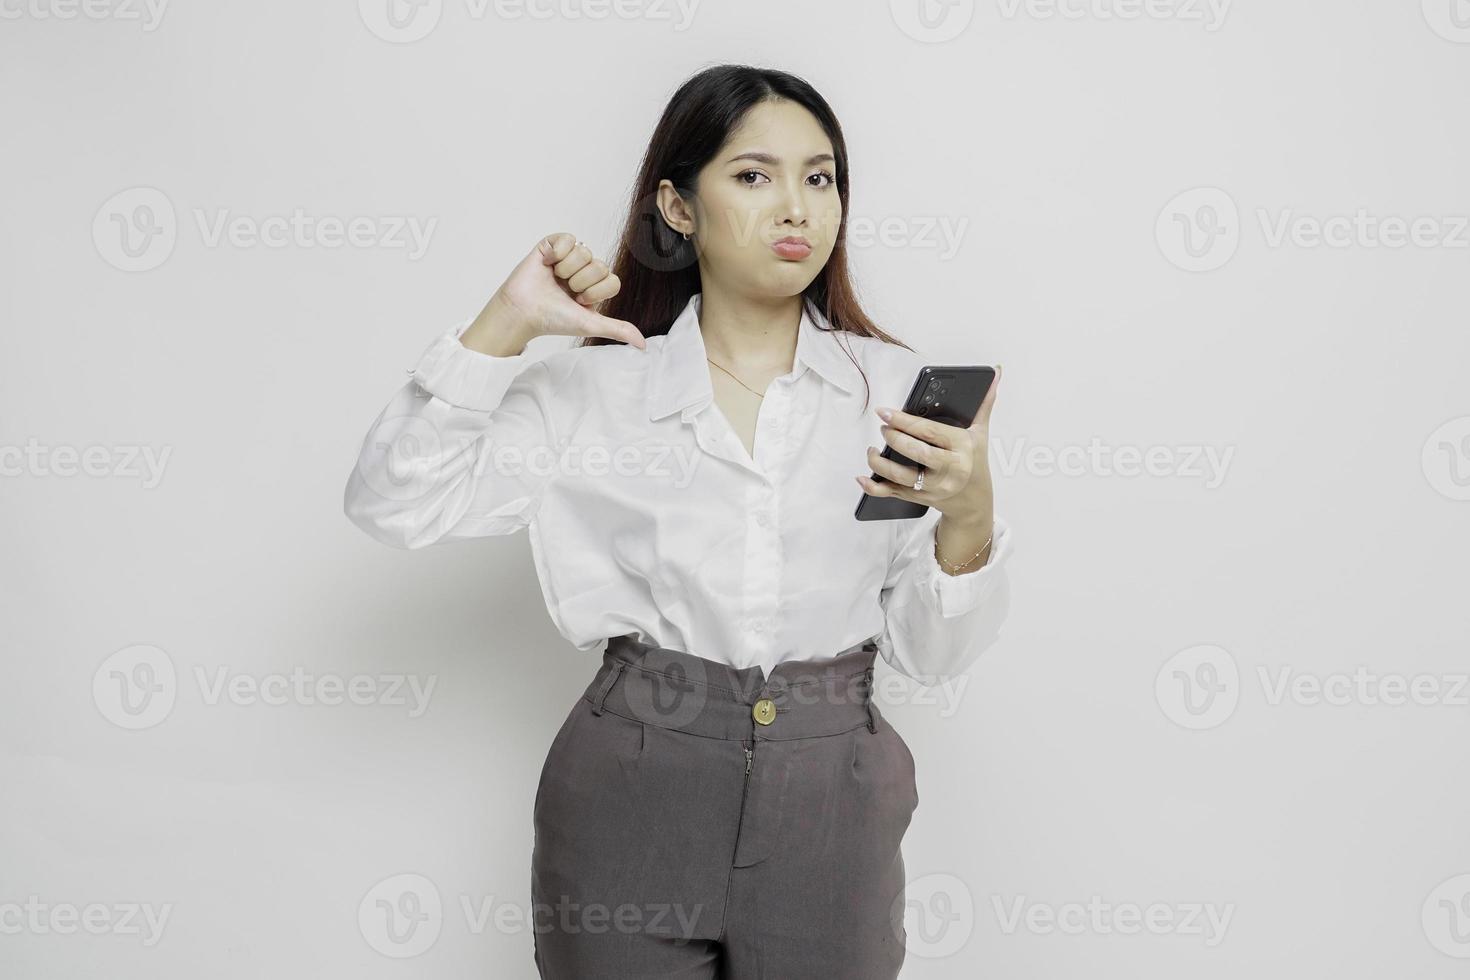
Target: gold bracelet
[(961, 565)]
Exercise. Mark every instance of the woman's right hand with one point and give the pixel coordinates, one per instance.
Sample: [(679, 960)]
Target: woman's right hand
[(550, 292)]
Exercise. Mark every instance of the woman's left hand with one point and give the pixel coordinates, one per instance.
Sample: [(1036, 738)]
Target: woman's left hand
[(956, 463)]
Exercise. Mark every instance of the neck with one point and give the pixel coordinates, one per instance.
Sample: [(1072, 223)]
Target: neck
[(756, 333)]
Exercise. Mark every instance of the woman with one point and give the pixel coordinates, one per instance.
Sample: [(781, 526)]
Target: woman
[(724, 798)]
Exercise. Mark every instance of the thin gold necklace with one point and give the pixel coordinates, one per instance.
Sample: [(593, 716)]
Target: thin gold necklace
[(737, 380)]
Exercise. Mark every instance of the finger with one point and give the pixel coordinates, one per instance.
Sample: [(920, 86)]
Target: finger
[(591, 273), (607, 288), (891, 469), (936, 433), (556, 246), (574, 262), (877, 488), (921, 452), (597, 325), (982, 417)]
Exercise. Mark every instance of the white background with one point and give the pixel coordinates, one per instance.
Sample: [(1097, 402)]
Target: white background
[(1081, 762)]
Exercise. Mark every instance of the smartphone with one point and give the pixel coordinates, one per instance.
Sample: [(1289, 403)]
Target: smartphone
[(951, 395)]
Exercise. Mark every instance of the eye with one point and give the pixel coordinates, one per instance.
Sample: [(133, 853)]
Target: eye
[(830, 179)]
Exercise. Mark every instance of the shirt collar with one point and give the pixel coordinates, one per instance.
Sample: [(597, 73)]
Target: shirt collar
[(681, 376)]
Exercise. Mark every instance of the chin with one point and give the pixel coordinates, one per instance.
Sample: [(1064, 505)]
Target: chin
[(791, 278)]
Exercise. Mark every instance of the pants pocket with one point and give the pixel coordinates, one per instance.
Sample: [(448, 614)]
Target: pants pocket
[(884, 769), (579, 708), (904, 763)]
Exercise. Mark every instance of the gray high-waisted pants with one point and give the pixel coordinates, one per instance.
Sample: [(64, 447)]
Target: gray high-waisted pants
[(696, 820)]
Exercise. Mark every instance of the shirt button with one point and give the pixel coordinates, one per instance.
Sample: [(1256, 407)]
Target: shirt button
[(762, 519)]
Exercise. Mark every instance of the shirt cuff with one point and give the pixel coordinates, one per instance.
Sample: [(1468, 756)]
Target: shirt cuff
[(955, 595), (453, 373)]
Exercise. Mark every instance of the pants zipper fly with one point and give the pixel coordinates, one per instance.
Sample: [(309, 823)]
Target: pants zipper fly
[(739, 823)]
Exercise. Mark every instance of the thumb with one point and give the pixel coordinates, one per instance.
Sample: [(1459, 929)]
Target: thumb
[(605, 326)]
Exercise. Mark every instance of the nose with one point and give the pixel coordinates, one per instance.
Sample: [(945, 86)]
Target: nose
[(793, 201)]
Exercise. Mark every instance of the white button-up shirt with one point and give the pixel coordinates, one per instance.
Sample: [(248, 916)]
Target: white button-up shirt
[(647, 515)]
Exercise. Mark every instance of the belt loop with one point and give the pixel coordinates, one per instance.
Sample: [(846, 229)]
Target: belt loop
[(868, 687), (607, 683)]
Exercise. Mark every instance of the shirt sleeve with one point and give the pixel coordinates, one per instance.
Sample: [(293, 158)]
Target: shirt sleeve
[(936, 624), (466, 448)]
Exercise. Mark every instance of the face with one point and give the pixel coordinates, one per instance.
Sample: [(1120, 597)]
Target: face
[(775, 178)]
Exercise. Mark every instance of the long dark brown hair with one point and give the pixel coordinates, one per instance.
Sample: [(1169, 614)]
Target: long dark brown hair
[(656, 266)]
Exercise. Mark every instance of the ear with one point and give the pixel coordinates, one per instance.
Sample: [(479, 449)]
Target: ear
[(671, 205)]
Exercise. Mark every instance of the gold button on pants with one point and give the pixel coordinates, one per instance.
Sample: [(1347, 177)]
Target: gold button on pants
[(764, 711)]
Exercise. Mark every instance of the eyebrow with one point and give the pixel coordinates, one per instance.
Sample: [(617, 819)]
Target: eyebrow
[(775, 161)]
